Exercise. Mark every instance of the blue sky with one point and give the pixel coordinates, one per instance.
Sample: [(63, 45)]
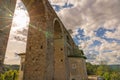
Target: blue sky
[(95, 26)]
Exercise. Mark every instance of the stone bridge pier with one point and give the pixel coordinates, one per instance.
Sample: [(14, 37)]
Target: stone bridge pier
[(45, 55), (6, 15), (49, 45)]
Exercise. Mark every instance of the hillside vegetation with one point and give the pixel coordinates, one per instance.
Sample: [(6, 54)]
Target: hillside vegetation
[(108, 72)]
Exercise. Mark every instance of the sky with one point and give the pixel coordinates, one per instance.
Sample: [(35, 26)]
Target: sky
[(95, 26)]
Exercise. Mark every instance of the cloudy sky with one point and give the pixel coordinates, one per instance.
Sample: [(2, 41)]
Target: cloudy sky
[(95, 26)]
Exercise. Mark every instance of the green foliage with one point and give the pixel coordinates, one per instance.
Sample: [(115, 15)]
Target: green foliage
[(2, 77), (104, 71), (91, 69), (11, 67), (115, 76), (106, 75), (9, 75), (100, 70)]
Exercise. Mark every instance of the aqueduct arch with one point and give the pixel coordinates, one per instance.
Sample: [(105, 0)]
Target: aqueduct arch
[(48, 43), (42, 43), (59, 55)]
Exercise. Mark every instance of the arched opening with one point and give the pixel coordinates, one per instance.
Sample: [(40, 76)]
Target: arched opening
[(18, 33), (57, 31), (59, 56)]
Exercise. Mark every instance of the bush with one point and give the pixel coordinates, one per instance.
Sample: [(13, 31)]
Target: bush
[(115, 76), (9, 75)]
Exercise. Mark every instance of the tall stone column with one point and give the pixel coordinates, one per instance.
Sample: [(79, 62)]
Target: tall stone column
[(6, 15), (46, 57), (38, 62)]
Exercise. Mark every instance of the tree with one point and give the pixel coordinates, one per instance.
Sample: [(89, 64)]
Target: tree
[(115, 76), (9, 75), (102, 69), (91, 69), (1, 77), (106, 75)]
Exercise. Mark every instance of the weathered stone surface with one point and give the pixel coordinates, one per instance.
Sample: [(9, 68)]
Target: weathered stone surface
[(48, 44), (45, 56), (77, 69), (22, 63), (6, 14)]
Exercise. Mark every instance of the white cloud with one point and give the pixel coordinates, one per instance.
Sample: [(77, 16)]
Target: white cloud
[(62, 2), (109, 46), (58, 2), (115, 35), (17, 46), (12, 48), (108, 58), (90, 15)]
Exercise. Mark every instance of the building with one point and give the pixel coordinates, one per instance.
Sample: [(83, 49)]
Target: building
[(77, 66), (50, 48), (22, 63)]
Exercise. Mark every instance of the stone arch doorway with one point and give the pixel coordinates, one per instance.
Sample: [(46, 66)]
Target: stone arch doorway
[(59, 52)]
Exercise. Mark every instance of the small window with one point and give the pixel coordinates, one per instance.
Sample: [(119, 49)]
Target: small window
[(67, 38), (61, 60), (41, 47), (61, 49)]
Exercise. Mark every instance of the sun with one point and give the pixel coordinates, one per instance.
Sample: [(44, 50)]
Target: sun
[(21, 17)]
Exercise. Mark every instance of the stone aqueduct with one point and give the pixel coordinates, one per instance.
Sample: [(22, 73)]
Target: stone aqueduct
[(48, 44)]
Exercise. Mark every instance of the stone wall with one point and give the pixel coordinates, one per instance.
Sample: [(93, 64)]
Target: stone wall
[(77, 69), (22, 65), (45, 56), (6, 15), (48, 44)]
